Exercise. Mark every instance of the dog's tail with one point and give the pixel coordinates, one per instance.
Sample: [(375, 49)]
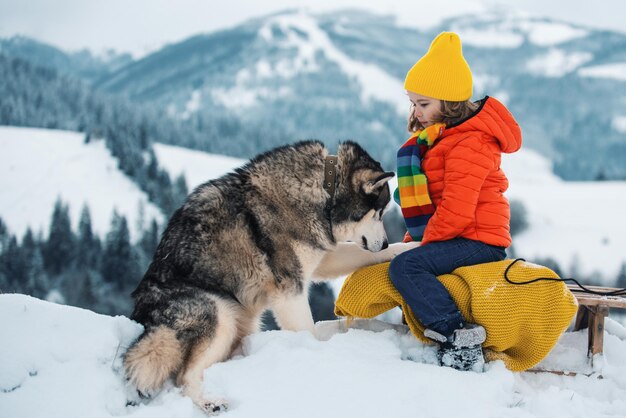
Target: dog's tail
[(153, 358)]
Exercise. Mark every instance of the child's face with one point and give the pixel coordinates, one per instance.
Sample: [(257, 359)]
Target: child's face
[(425, 109)]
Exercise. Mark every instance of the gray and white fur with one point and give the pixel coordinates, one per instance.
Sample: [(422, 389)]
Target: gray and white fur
[(249, 241)]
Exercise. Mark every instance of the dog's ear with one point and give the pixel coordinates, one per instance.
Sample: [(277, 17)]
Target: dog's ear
[(374, 186)]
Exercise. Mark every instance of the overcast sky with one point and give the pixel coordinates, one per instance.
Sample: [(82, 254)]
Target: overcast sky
[(142, 26)]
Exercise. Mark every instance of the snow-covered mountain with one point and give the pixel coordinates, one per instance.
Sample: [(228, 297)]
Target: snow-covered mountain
[(83, 63), (339, 75), (64, 362)]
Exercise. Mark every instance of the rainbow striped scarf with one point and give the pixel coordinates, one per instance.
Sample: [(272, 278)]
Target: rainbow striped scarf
[(412, 192)]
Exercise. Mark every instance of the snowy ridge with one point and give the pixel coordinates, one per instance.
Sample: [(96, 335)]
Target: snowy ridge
[(64, 362), (557, 63), (508, 29), (303, 33), (619, 123), (546, 33), (299, 31), (615, 71)]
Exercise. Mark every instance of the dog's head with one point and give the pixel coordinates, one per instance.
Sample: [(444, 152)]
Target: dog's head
[(361, 197)]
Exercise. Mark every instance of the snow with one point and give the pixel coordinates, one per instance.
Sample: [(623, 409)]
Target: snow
[(615, 71), (239, 96), (63, 362), (247, 93), (484, 83), (577, 223), (375, 82), (40, 165), (301, 32), (619, 124), (557, 63), (198, 167), (491, 38), (509, 29), (544, 33), (423, 14), (192, 105)]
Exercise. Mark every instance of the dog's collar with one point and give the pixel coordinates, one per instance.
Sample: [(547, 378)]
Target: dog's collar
[(330, 174)]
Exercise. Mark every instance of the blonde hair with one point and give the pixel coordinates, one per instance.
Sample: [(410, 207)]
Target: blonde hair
[(450, 113)]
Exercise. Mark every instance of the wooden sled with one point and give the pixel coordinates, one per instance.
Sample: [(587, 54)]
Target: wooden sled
[(592, 309)]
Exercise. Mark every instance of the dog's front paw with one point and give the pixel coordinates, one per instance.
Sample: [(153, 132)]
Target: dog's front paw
[(401, 247), (213, 406), (394, 250)]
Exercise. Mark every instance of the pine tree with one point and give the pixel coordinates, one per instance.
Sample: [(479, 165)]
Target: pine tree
[(14, 267), (621, 277), (4, 243), (89, 248), (120, 262), (4, 236), (552, 264), (150, 240), (519, 217), (575, 268), (81, 289), (4, 281), (59, 251), (167, 199), (180, 190), (144, 141), (36, 281)]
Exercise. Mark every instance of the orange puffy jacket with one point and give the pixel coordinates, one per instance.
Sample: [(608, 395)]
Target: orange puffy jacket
[(465, 181)]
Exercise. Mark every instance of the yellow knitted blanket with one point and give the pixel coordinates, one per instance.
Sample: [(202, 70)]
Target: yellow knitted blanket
[(523, 323)]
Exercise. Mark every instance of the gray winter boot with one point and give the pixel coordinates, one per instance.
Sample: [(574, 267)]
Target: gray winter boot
[(463, 349)]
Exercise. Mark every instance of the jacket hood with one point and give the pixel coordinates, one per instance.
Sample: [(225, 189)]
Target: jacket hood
[(493, 118)]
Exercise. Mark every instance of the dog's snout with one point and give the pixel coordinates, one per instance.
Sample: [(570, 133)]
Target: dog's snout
[(385, 244)]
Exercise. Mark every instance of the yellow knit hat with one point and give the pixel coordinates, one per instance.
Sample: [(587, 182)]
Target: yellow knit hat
[(442, 73)]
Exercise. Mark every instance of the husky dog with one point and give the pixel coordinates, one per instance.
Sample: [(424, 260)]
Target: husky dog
[(249, 241)]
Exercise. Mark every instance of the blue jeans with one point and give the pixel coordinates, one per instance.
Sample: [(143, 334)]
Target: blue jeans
[(414, 273)]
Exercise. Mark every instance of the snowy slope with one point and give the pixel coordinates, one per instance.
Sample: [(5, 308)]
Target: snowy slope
[(576, 223), (63, 362), (198, 167), (39, 165)]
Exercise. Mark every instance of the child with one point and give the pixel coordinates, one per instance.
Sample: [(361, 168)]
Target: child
[(450, 189)]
